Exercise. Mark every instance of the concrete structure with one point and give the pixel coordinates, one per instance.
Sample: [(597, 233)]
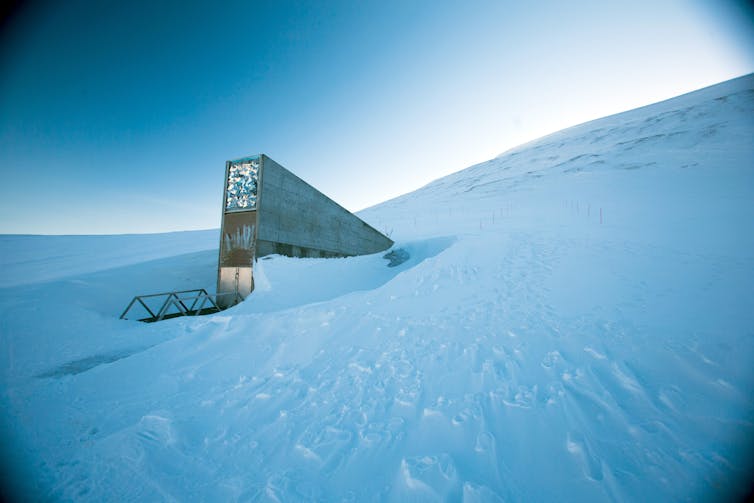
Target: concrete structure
[(267, 210)]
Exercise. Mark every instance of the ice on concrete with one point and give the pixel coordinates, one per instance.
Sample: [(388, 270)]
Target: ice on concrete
[(243, 177)]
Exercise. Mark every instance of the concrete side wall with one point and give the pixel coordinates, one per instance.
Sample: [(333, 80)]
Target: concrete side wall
[(296, 219), (269, 248)]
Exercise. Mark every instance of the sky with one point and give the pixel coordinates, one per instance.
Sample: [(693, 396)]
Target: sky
[(118, 117)]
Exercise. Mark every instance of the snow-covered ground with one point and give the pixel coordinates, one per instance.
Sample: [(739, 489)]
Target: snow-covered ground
[(576, 322)]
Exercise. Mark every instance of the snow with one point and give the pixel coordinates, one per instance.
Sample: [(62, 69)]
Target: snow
[(28, 259), (574, 323)]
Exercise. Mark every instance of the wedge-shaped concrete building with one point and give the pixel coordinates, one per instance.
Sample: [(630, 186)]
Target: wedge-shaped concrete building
[(267, 210)]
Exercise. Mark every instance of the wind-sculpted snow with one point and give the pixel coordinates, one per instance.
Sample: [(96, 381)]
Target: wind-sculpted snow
[(574, 323)]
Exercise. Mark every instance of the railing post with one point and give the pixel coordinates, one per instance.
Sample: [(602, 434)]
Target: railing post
[(122, 316), (165, 306), (145, 306)]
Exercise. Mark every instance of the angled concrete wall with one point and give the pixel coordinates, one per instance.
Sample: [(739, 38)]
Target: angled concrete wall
[(296, 219)]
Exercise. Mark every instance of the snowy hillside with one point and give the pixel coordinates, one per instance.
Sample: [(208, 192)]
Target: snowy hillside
[(576, 322)]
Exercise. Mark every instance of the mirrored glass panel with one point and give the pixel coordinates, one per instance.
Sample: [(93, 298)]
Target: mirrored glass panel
[(241, 192)]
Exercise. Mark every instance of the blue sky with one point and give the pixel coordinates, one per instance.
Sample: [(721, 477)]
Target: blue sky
[(117, 117)]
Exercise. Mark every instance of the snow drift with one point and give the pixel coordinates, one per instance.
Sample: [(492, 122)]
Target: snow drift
[(575, 323)]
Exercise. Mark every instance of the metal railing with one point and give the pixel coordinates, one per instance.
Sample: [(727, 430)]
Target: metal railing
[(185, 303)]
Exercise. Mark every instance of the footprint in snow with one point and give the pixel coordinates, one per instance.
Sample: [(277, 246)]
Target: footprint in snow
[(155, 429), (324, 446), (432, 477), (461, 417), (579, 448), (520, 396), (474, 493), (485, 443), (551, 359)]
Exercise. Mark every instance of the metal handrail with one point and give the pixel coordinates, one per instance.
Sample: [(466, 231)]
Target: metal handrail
[(175, 299)]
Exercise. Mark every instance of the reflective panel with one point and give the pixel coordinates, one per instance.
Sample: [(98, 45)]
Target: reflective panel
[(241, 193)]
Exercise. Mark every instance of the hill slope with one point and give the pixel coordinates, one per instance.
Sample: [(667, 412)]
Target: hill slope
[(575, 323)]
